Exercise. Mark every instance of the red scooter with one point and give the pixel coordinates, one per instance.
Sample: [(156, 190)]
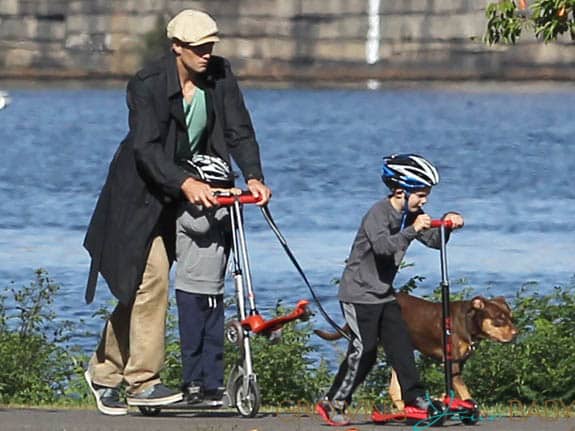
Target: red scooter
[(450, 406)]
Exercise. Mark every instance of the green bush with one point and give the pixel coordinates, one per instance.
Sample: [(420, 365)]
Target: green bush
[(172, 372), (285, 373), (37, 366), (539, 365)]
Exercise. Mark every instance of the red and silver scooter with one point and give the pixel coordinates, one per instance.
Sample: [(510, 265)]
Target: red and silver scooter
[(242, 390)]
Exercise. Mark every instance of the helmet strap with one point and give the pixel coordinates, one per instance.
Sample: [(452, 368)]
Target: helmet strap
[(405, 209)]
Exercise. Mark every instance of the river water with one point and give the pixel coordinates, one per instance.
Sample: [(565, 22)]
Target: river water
[(505, 155)]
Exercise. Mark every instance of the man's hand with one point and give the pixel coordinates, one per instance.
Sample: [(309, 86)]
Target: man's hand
[(455, 219), (198, 192), (259, 189), (422, 222)]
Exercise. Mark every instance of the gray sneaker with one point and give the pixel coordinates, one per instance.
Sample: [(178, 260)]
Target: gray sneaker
[(107, 399), (154, 396)]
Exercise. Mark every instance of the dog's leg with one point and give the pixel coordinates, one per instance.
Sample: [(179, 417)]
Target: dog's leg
[(459, 385), (395, 391)]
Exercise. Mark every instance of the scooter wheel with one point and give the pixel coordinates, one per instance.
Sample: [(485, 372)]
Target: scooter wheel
[(437, 413), (150, 411), (471, 416), (247, 402), (235, 333)]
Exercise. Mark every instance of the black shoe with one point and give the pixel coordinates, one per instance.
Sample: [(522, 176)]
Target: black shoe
[(154, 396), (107, 399), (214, 396), (193, 394), (420, 402)]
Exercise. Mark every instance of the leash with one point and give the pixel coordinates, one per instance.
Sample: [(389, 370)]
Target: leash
[(269, 219)]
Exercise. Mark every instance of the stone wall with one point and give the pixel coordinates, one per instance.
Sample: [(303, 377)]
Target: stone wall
[(275, 39)]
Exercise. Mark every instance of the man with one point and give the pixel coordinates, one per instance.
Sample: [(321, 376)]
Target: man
[(131, 235)]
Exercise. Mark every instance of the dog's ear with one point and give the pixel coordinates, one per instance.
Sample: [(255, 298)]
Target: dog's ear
[(478, 302), (502, 302)]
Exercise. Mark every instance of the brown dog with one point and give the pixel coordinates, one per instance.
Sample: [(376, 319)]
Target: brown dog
[(472, 321)]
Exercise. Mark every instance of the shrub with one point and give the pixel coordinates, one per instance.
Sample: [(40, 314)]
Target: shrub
[(286, 374), (39, 366), (172, 372), (36, 365), (539, 365)]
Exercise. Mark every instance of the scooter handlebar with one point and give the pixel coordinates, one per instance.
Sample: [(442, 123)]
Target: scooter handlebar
[(245, 198), (438, 223)]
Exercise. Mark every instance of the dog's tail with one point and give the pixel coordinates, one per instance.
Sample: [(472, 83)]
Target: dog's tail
[(331, 336)]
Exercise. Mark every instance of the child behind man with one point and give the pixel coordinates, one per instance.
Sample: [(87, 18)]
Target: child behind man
[(366, 291), (202, 248)]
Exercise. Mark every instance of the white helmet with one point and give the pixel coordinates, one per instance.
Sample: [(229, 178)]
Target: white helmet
[(409, 172), (210, 169)]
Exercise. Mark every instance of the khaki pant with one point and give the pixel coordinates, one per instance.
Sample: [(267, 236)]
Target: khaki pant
[(132, 344)]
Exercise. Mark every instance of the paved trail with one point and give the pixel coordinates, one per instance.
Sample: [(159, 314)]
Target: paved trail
[(91, 420)]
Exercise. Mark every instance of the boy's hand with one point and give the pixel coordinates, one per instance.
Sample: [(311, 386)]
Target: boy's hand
[(455, 219), (422, 222)]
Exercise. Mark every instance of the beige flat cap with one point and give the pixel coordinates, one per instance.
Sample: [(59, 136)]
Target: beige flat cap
[(193, 27)]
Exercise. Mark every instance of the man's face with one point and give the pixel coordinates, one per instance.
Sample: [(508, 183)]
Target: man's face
[(195, 58)]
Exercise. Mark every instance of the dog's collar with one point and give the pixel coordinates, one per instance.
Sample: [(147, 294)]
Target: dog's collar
[(474, 333)]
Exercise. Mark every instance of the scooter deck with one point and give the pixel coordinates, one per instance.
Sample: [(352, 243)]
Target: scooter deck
[(409, 414), (184, 405)]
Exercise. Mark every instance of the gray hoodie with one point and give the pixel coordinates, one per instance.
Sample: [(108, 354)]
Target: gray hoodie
[(377, 252), (202, 249)]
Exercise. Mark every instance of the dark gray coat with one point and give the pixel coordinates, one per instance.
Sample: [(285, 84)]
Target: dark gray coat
[(139, 196)]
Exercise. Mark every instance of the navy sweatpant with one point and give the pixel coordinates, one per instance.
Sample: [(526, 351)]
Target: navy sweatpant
[(201, 323), (372, 324)]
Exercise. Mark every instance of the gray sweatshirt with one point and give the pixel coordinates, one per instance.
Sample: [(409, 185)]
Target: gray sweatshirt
[(377, 252), (202, 249)]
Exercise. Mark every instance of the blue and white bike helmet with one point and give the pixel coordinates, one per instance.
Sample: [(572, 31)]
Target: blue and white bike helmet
[(409, 172), (210, 169)]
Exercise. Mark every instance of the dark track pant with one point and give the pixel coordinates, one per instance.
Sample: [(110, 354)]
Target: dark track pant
[(201, 323), (372, 324)]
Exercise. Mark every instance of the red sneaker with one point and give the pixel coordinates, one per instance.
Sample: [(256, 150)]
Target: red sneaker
[(333, 415)]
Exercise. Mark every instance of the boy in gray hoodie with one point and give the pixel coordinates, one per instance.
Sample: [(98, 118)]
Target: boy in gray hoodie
[(366, 289), (203, 241), (202, 250)]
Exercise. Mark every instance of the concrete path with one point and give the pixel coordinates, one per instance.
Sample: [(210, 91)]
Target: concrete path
[(91, 420)]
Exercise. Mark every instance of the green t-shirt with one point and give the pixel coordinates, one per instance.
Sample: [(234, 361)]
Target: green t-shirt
[(196, 119)]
